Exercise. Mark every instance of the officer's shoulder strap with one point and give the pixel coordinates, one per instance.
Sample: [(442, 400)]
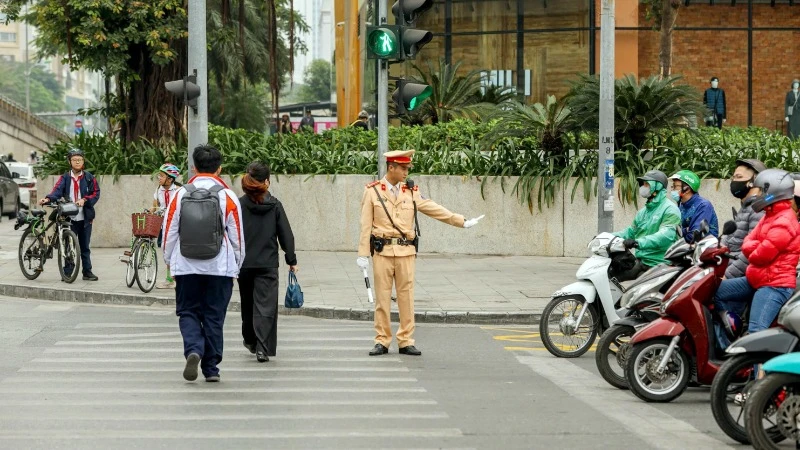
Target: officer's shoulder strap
[(373, 184)]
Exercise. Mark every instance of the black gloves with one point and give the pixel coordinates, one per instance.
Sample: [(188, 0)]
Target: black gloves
[(630, 243)]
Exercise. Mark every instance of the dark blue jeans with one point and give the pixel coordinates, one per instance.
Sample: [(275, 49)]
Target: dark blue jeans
[(734, 294), (84, 232), (201, 305)]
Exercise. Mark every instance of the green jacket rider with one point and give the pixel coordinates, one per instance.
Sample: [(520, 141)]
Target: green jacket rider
[(654, 228)]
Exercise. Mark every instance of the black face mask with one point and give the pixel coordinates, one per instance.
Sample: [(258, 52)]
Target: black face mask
[(739, 189)]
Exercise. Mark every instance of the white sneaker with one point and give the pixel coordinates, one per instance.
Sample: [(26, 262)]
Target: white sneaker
[(166, 285)]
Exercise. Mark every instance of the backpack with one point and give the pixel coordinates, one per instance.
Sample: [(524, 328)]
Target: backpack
[(201, 227)]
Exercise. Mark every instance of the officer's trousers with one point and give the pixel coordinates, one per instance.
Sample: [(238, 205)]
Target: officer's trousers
[(201, 305), (400, 271)]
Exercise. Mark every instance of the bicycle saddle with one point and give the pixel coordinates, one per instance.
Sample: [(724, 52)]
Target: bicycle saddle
[(37, 213)]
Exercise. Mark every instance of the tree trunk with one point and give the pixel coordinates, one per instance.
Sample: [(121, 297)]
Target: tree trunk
[(153, 113), (669, 14)]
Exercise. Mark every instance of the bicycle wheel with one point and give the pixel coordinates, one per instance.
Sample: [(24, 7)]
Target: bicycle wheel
[(31, 254), (146, 265), (69, 261), (130, 271)]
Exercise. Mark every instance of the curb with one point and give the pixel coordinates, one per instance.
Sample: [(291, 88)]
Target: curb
[(320, 312)]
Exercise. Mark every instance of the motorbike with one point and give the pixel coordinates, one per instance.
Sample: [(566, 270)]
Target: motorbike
[(775, 399), (640, 305), (578, 311), (681, 344), (736, 377)]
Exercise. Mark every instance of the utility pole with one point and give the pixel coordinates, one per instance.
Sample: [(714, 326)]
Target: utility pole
[(198, 121), (605, 160), (27, 66), (383, 97)]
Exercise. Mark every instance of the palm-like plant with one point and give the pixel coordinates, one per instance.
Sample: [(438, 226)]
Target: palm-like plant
[(548, 123), (641, 107), (495, 95), (453, 95)]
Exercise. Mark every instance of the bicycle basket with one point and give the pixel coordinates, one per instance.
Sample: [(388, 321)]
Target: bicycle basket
[(146, 225), (69, 209)]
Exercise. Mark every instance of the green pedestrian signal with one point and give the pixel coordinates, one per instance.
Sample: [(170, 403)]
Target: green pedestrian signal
[(409, 96), (383, 42)]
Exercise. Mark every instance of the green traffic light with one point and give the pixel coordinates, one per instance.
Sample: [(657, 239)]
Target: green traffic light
[(382, 42), (416, 100)]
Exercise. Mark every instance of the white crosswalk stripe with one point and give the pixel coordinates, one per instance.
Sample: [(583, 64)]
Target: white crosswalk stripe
[(121, 383)]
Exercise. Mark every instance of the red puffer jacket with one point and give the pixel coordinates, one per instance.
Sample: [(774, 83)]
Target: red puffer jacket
[(773, 248)]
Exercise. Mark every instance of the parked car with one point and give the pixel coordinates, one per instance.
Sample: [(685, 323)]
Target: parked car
[(9, 192), (26, 180)]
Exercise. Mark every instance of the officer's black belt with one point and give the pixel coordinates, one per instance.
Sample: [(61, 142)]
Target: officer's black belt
[(394, 241)]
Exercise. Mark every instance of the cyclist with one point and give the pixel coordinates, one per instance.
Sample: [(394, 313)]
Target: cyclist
[(79, 186), (167, 187)]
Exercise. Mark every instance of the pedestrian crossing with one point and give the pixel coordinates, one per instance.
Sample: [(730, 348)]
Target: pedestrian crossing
[(119, 385)]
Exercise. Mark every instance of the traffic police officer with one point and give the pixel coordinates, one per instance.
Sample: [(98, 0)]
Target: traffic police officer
[(388, 233)]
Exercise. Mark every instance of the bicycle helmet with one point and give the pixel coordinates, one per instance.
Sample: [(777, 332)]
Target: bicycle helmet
[(688, 178), (776, 185), (654, 175), (74, 152), (170, 169)]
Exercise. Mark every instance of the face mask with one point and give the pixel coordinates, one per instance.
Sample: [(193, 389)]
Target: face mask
[(675, 196), (644, 191), (795, 86), (714, 84), (739, 189)]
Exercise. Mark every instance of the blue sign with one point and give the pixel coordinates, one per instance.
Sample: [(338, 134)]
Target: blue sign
[(609, 174)]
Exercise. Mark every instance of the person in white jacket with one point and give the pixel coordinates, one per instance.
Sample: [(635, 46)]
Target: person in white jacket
[(204, 286)]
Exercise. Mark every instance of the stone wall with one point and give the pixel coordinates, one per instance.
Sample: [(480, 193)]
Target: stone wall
[(21, 133), (324, 213)]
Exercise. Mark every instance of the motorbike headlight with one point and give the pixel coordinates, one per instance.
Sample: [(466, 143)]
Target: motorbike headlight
[(598, 247), (684, 285), (733, 350), (636, 291)]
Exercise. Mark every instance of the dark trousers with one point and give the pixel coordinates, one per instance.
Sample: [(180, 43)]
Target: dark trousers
[(84, 232), (259, 292), (202, 301), (719, 120)]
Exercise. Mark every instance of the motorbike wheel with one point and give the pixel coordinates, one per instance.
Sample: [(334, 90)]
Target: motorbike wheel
[(776, 394), (732, 386), (611, 355), (557, 314), (644, 380)]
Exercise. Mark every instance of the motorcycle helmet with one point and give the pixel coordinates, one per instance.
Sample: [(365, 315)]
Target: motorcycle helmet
[(754, 164), (688, 178), (171, 170), (654, 175), (776, 185), (731, 323)]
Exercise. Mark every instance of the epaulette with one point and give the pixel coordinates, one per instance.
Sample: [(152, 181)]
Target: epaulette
[(374, 183), (416, 188)]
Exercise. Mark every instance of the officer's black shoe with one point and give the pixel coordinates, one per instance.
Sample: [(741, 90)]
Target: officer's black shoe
[(410, 350), (89, 276), (379, 350), (262, 357), (250, 347)]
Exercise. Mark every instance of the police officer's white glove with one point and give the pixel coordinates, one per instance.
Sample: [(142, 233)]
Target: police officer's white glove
[(787, 119), (472, 222), (363, 262)]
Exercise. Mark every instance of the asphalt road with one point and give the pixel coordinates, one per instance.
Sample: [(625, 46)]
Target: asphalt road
[(86, 376)]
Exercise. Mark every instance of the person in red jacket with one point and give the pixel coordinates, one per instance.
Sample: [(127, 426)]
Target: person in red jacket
[(773, 249)]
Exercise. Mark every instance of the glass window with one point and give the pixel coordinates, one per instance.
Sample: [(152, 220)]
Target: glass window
[(541, 15), (433, 19), (8, 37), (551, 59), (24, 170), (4, 171), (486, 15)]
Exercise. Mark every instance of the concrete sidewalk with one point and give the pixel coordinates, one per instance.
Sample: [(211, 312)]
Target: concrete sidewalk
[(449, 288)]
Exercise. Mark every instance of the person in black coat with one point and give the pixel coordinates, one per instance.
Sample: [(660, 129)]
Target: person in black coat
[(265, 225)]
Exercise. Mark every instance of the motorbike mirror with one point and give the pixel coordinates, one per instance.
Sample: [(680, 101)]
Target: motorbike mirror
[(729, 227)]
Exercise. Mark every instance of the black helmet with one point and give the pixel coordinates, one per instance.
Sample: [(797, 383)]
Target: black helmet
[(654, 175), (776, 185), (754, 164), (74, 152)]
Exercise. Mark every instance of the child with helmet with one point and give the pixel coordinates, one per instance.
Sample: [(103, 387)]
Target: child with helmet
[(167, 188)]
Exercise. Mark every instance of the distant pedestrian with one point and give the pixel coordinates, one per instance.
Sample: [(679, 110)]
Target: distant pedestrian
[(10, 158), (265, 226), (168, 185), (362, 122), (285, 125), (204, 249), (307, 123)]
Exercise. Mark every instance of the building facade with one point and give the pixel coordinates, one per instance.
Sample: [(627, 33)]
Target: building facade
[(536, 47)]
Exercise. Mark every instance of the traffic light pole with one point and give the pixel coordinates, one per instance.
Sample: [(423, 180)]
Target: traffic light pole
[(605, 159), (383, 98), (198, 121)]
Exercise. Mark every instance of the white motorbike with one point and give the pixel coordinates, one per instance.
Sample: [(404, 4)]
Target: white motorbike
[(574, 317)]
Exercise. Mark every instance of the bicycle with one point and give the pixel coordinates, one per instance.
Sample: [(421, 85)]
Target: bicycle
[(36, 247), (142, 257)]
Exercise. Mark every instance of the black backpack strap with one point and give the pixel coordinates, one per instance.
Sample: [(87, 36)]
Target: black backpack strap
[(380, 199), (190, 188), (215, 189)]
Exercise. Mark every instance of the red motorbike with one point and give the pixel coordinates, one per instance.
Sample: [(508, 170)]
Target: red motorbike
[(681, 344)]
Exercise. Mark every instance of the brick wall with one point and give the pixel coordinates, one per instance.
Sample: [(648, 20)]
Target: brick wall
[(699, 55)]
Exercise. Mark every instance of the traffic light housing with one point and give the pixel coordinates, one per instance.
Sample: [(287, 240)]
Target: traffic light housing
[(406, 13), (186, 88), (383, 42), (408, 96)]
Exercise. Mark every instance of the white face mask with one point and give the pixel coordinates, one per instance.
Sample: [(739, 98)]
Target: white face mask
[(795, 86), (714, 84), (644, 191)]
